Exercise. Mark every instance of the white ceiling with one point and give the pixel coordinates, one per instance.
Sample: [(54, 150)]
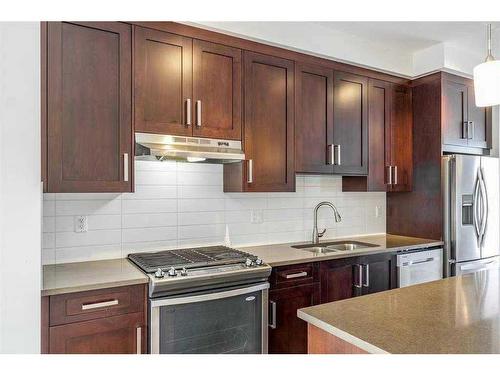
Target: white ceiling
[(414, 36), (405, 48)]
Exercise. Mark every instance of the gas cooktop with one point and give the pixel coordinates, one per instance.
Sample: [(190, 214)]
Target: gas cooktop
[(173, 270)]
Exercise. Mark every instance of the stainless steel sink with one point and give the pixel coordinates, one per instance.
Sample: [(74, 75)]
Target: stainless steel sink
[(328, 247)]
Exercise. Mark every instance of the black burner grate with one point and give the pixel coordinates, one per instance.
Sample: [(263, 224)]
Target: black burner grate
[(189, 258)]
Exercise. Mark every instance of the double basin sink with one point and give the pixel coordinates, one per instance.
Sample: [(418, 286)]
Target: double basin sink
[(333, 247)]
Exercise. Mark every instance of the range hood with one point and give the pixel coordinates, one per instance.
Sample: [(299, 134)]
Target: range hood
[(159, 147)]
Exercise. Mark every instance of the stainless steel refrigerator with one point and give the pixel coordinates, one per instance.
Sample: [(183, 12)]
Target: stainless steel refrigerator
[(471, 213)]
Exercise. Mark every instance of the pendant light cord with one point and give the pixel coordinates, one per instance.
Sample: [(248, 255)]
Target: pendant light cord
[(489, 57)]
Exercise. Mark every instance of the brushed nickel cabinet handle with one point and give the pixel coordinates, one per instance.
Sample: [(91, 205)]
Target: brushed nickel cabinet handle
[(188, 112), (250, 171), (96, 305), (395, 175), (470, 129), (331, 153), (338, 161), (465, 130), (389, 175), (295, 275), (138, 336), (198, 113), (125, 167), (367, 275), (359, 284), (273, 325)]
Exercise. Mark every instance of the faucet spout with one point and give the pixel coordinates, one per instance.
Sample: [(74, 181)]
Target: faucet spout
[(316, 234)]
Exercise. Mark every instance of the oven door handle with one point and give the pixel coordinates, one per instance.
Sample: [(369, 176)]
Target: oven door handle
[(208, 296)]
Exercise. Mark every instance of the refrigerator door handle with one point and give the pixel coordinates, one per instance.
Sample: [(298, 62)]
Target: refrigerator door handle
[(484, 202), (475, 208)]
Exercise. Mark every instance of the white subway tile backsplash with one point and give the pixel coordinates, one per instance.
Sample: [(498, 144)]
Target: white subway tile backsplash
[(181, 204)]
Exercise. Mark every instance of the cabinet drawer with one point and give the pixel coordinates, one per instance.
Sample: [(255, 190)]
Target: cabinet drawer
[(78, 307), (296, 274)]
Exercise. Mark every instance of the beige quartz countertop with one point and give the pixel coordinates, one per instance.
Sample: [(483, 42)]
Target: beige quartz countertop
[(455, 315), (78, 277), (283, 254)]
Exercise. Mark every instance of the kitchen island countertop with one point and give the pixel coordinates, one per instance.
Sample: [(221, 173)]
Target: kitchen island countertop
[(455, 315)]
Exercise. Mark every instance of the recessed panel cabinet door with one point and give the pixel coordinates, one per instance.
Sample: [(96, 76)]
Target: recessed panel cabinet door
[(314, 119), (269, 123), (401, 146), (454, 113), (162, 82), (89, 125), (216, 91), (122, 334), (479, 118), (350, 124)]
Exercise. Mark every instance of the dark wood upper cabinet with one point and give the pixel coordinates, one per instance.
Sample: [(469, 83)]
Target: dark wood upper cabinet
[(463, 124), (390, 140), (162, 82), (268, 127), (350, 124), (401, 140), (216, 91), (89, 125), (314, 119)]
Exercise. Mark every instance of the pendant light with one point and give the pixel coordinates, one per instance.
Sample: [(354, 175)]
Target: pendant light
[(487, 79)]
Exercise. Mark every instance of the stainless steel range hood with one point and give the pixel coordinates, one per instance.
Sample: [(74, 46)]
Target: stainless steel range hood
[(201, 150)]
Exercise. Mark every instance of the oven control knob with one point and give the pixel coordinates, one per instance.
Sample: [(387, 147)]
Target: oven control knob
[(159, 273), (172, 272), (258, 262), (184, 272), (249, 262)]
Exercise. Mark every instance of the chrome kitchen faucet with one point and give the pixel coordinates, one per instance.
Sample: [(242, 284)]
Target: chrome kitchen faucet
[(317, 235)]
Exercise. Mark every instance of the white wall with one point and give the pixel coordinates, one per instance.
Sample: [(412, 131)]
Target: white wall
[(182, 204), (20, 198)]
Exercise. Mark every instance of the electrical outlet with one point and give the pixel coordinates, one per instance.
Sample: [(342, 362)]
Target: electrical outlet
[(81, 224), (257, 217)]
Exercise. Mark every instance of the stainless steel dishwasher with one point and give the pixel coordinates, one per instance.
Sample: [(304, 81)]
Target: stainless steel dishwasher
[(420, 266)]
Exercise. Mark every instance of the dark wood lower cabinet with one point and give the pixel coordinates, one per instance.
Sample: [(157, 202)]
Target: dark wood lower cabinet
[(302, 285), (287, 332), (123, 334), (105, 321)]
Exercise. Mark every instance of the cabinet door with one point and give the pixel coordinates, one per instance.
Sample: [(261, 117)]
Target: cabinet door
[(162, 82), (314, 119), (216, 91), (269, 123), (454, 113), (289, 333), (379, 273), (350, 123), (480, 122), (339, 279), (89, 125), (401, 144), (123, 334)]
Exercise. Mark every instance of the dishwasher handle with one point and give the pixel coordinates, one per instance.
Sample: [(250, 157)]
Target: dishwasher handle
[(411, 263)]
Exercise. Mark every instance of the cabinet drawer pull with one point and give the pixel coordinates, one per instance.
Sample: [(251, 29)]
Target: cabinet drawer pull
[(295, 275), (198, 113), (138, 340), (125, 167), (272, 324), (96, 305), (188, 112)]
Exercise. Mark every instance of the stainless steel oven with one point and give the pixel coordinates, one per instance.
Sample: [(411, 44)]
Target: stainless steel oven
[(231, 320)]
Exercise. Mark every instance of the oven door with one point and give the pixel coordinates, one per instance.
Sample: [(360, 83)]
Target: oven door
[(228, 321)]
